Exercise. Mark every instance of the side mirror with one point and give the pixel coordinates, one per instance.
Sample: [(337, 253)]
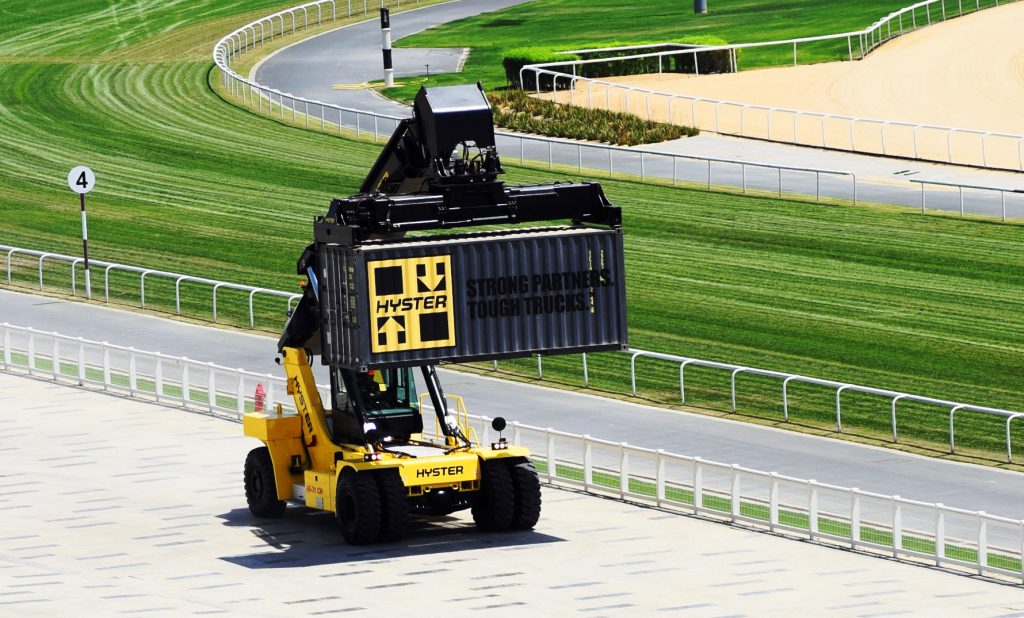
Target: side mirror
[(498, 424)]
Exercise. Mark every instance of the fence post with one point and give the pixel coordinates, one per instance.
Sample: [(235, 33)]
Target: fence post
[(106, 366), (659, 478), (540, 368), (586, 373), (623, 470), (549, 441), (132, 378), (982, 543), (698, 485), (854, 517), (894, 400), (897, 526), (812, 510), (940, 535), (734, 497), (211, 387), (773, 501), (81, 361), (588, 463), (240, 394), (55, 357), (158, 378), (185, 388)]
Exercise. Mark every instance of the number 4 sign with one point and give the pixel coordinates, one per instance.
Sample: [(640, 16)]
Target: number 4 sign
[(81, 180)]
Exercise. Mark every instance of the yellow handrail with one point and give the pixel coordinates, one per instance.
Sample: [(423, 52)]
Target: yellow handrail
[(461, 417)]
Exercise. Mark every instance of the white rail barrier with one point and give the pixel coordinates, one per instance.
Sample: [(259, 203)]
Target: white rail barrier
[(905, 529), (957, 145), (74, 263), (893, 398), (985, 189), (647, 165)]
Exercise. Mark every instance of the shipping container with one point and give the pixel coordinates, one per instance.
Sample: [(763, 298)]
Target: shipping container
[(470, 297)]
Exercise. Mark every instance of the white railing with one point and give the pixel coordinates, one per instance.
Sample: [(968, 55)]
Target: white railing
[(856, 134), (647, 165), (984, 189), (950, 408), (905, 529), (74, 263)]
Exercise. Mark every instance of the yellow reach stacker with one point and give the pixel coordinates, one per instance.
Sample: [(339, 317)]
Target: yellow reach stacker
[(378, 304)]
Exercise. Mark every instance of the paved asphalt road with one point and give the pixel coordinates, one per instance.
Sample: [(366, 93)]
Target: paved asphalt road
[(351, 55), (831, 461), (148, 517)]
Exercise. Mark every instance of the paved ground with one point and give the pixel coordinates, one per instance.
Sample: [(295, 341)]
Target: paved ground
[(841, 463), (113, 506), (352, 55)]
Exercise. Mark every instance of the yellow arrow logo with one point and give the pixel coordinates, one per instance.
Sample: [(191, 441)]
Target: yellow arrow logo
[(391, 330), (431, 279)]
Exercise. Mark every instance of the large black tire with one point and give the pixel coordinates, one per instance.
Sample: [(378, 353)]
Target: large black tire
[(526, 486), (394, 505), (260, 488), (494, 506), (358, 507)]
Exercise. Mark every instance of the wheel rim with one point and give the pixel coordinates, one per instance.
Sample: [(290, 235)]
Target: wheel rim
[(257, 484)]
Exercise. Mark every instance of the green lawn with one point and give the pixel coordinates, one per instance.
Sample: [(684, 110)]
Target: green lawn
[(188, 182), (579, 24)]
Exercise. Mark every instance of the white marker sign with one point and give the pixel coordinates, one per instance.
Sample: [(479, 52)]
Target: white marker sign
[(81, 180)]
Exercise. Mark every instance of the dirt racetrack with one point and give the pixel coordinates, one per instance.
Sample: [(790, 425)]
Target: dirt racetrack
[(966, 73)]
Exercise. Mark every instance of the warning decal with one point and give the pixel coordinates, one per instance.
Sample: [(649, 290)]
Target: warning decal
[(411, 303)]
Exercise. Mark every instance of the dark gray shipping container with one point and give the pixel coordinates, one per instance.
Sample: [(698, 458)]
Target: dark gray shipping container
[(472, 297)]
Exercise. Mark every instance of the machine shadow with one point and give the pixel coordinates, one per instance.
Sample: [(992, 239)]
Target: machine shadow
[(305, 537)]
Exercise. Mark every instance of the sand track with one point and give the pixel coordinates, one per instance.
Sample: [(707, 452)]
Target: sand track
[(967, 72)]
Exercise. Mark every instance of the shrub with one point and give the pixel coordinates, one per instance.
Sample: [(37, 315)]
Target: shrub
[(515, 110)]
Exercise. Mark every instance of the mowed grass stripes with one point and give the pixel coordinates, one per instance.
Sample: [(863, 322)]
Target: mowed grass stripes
[(188, 182)]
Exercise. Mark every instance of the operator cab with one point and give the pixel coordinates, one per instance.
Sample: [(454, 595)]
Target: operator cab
[(374, 406)]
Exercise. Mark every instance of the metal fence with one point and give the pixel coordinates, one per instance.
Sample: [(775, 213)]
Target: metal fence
[(905, 529), (74, 263), (958, 145), (984, 200), (893, 398), (638, 164)]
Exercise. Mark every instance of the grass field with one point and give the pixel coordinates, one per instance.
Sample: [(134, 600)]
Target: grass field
[(580, 24), (190, 183)]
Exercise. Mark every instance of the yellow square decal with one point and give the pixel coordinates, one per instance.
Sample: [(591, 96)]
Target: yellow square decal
[(411, 303)]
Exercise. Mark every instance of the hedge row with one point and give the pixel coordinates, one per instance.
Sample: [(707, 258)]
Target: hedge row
[(515, 110)]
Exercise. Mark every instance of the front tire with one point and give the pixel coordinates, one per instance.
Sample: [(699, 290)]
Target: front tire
[(494, 506), (358, 507), (260, 487), (394, 503), (526, 484)]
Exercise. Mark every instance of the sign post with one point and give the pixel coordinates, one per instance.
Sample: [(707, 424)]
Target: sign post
[(385, 29), (81, 180)]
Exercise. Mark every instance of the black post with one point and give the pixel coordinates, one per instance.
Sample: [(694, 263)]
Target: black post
[(385, 28), (700, 7), (85, 248)]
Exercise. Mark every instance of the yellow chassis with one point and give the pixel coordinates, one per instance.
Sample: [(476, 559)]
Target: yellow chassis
[(307, 464)]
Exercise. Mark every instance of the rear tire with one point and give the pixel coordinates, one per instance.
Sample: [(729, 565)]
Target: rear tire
[(358, 507), (394, 505), (526, 484), (260, 486), (494, 506)]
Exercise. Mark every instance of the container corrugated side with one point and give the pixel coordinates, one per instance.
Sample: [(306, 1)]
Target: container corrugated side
[(473, 297)]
